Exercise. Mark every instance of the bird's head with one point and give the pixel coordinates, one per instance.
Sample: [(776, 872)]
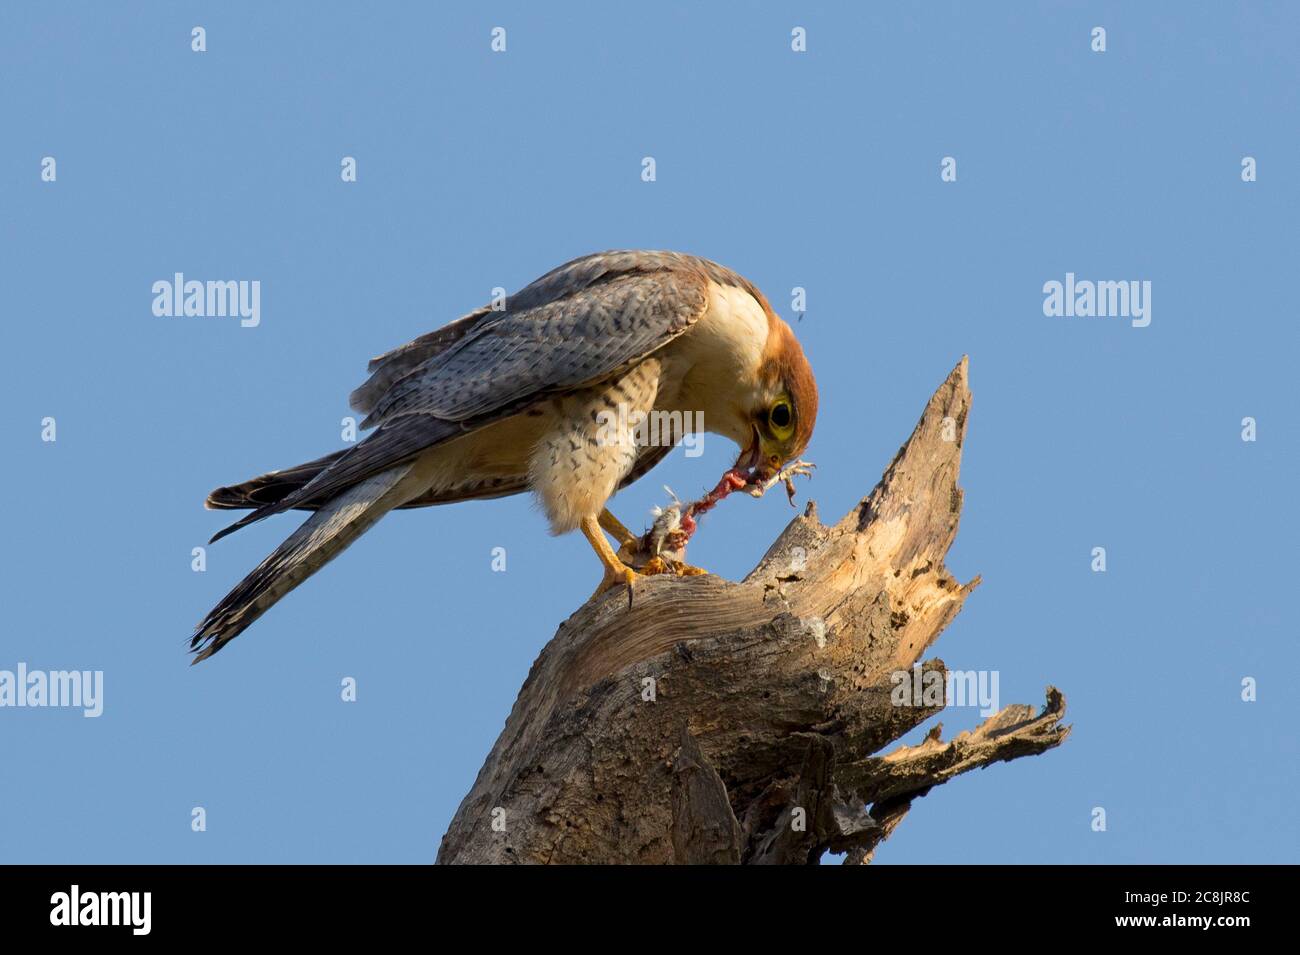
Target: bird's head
[(784, 408)]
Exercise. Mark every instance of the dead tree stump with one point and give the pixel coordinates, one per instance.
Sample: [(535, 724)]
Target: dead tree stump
[(721, 722)]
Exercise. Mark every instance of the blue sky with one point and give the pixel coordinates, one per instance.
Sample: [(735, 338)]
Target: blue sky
[(475, 170)]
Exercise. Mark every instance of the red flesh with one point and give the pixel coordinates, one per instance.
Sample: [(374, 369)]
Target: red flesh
[(733, 480)]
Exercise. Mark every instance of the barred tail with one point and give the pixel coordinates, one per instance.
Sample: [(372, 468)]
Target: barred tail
[(336, 524)]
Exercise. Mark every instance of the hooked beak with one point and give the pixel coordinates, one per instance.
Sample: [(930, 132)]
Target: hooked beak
[(754, 465)]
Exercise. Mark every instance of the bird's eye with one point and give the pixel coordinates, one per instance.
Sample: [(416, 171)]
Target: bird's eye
[(781, 418)]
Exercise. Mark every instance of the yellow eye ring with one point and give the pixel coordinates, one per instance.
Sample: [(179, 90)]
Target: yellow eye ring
[(780, 418)]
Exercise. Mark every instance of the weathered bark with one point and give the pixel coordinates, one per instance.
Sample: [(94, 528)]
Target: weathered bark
[(727, 722)]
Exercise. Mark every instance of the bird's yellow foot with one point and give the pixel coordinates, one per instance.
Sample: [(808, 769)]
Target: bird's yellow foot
[(631, 551), (622, 575), (656, 565), (616, 572), (667, 565), (613, 526)]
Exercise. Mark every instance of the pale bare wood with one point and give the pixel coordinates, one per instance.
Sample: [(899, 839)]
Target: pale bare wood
[(716, 721)]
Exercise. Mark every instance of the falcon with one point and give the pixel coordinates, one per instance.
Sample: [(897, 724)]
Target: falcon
[(519, 397)]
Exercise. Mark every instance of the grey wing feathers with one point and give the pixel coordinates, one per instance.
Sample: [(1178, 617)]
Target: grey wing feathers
[(577, 324), (553, 347), (566, 280), (392, 365)]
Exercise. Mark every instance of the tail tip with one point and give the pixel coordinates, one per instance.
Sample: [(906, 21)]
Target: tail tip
[(224, 498)]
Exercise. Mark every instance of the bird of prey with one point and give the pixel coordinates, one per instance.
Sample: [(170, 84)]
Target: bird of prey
[(512, 399)]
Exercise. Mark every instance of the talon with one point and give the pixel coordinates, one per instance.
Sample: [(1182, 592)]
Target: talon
[(616, 578), (799, 468), (616, 572)]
